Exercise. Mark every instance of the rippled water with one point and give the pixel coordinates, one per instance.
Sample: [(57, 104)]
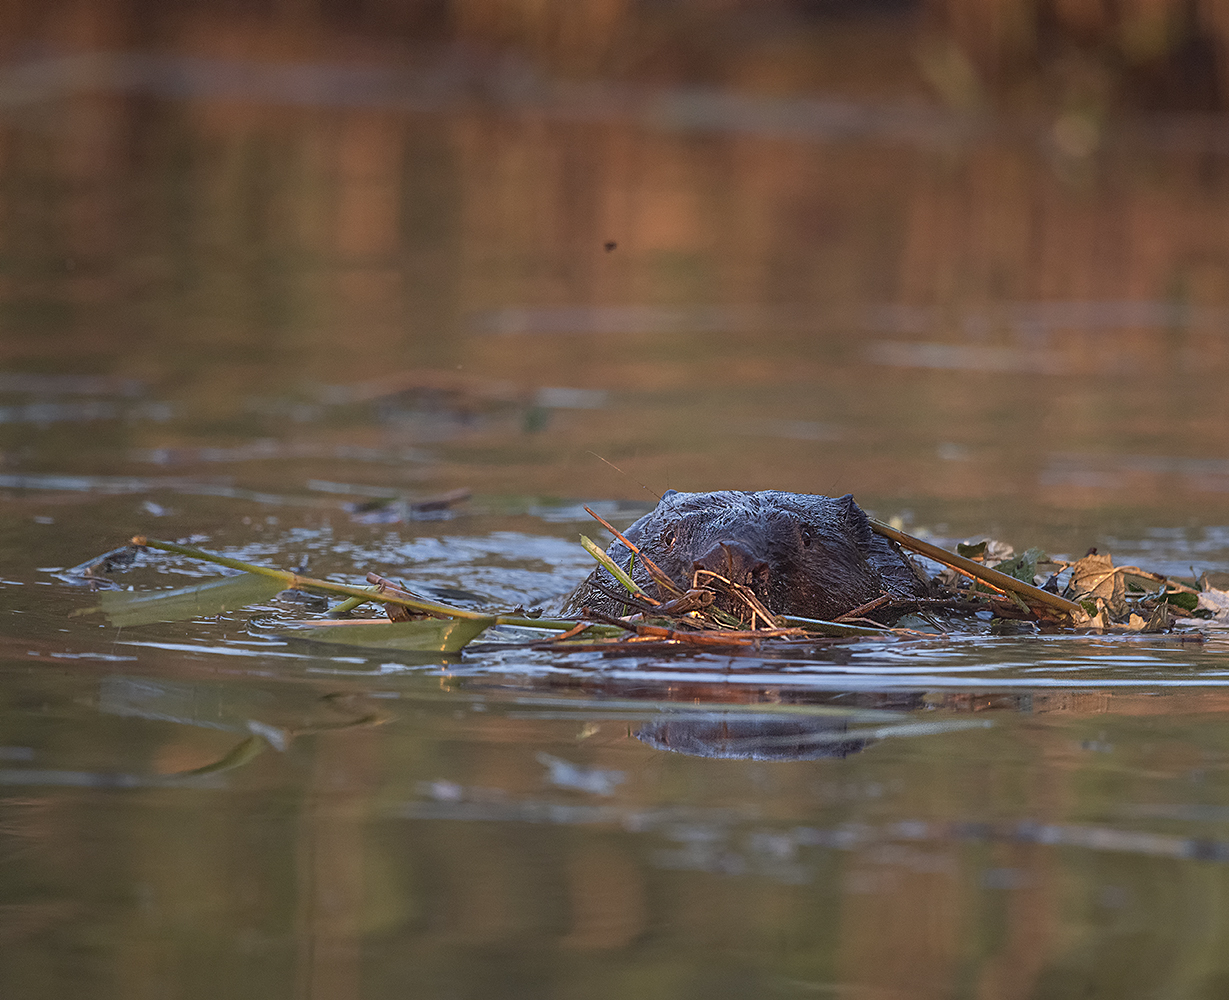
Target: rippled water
[(232, 316)]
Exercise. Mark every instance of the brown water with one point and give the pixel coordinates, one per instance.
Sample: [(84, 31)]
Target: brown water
[(235, 297)]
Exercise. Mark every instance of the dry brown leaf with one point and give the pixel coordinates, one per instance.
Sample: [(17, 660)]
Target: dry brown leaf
[(1095, 576)]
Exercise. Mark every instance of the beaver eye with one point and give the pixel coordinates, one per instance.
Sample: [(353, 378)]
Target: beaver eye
[(806, 537), (667, 538)]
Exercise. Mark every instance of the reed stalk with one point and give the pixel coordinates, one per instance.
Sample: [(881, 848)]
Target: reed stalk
[(1033, 597)]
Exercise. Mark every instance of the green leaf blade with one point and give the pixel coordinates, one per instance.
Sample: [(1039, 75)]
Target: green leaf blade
[(128, 608), (422, 635)]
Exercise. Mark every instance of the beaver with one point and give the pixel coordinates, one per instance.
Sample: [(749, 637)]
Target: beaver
[(804, 555), (747, 736)]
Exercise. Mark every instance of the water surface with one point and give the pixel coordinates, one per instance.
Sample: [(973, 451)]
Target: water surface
[(234, 305)]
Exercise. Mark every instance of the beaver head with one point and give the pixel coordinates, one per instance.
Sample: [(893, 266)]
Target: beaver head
[(801, 554)]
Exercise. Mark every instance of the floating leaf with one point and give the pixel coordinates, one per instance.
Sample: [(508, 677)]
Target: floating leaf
[(423, 635), (126, 608), (1181, 599), (1216, 601), (1098, 618), (1096, 576), (1024, 566), (989, 551)]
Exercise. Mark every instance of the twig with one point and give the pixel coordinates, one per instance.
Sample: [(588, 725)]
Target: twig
[(977, 579), (744, 594), (694, 600), (594, 615), (1035, 597), (395, 612), (627, 600), (575, 630), (862, 610), (659, 576), (722, 638), (726, 637), (441, 501)]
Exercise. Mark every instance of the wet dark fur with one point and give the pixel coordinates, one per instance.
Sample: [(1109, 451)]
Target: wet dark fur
[(805, 555)]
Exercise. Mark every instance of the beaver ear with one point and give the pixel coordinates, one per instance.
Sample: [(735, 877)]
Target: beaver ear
[(669, 493), (856, 521)]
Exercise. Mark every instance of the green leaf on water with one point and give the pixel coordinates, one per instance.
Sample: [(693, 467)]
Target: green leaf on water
[(421, 635), (1024, 566), (976, 550), (126, 608), (1181, 599)]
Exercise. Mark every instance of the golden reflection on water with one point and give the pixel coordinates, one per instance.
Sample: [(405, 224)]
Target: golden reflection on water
[(284, 273), (920, 321), (435, 853)]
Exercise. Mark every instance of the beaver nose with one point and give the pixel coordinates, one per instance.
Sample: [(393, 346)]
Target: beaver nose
[(731, 560)]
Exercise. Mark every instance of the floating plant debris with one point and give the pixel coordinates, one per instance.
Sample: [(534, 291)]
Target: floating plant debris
[(982, 577)]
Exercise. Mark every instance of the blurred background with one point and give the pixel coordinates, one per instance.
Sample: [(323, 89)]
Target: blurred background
[(968, 259), (262, 262)]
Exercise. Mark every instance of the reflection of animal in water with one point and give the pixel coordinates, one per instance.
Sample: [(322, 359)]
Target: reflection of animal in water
[(745, 736), (803, 555)]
